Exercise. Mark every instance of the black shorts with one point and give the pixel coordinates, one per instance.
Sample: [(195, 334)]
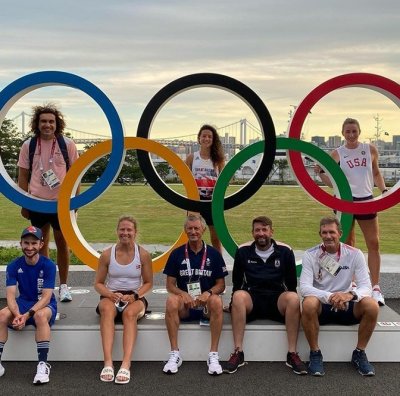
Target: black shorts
[(328, 315), (265, 306), (39, 220), (207, 214), (367, 216), (118, 317), (194, 315)]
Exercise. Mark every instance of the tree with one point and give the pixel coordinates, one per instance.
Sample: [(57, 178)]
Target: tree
[(282, 165), (10, 145), (130, 171), (162, 169)]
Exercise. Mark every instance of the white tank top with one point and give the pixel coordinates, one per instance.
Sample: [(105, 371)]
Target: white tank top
[(205, 175), (357, 166), (124, 276)]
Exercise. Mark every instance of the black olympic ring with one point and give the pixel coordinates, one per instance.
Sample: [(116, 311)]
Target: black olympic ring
[(207, 80)]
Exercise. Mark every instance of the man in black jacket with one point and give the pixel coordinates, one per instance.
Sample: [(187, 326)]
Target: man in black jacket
[(264, 286)]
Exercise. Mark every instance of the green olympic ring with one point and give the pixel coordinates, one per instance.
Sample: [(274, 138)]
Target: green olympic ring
[(227, 173)]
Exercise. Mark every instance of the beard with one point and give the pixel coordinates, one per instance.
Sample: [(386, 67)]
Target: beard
[(263, 243)]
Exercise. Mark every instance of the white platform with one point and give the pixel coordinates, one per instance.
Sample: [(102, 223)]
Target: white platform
[(77, 338)]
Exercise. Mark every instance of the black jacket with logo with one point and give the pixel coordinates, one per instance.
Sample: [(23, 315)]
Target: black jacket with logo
[(277, 274)]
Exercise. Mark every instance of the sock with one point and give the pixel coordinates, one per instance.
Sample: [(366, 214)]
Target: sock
[(1, 348), (43, 350)]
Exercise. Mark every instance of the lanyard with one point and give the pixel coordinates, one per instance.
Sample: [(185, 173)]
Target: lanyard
[(203, 260), (324, 252), (53, 147)]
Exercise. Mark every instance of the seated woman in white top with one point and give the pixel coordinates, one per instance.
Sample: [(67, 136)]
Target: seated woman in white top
[(123, 277)]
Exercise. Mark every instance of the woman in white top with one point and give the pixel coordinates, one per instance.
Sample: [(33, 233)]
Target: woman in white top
[(359, 162), (123, 277), (206, 165)]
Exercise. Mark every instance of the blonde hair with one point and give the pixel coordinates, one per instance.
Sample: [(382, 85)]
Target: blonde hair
[(127, 218)]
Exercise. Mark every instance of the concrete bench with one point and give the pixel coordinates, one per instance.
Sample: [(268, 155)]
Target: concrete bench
[(76, 336)]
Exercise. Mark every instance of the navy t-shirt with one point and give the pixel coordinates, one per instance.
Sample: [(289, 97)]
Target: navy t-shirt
[(32, 279), (214, 267)]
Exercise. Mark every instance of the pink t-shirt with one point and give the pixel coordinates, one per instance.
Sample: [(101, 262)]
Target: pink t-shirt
[(57, 165)]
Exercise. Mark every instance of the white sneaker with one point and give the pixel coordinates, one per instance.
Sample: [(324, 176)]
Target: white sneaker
[(214, 368), (378, 296), (42, 373), (2, 370), (174, 362), (65, 295)]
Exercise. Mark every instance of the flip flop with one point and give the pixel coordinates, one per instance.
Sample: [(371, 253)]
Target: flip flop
[(123, 372), (108, 370)]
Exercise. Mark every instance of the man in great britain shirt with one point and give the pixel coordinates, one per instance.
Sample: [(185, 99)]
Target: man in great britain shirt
[(195, 278)]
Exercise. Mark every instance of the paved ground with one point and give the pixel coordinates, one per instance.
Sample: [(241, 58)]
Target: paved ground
[(272, 378)]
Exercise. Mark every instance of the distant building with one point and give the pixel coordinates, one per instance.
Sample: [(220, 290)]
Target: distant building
[(396, 142), (334, 141), (318, 140), (228, 143)]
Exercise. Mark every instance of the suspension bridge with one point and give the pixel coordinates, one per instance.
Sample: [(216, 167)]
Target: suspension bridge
[(234, 136)]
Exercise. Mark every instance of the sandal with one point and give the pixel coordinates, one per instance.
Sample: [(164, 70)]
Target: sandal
[(124, 373), (108, 370)]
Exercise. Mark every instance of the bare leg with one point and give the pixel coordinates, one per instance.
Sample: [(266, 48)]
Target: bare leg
[(42, 318), (214, 305), (214, 239), (242, 305), (62, 256), (309, 320), (367, 310), (174, 309), (370, 229), (289, 307), (351, 238), (6, 318), (130, 317), (107, 329), (44, 251)]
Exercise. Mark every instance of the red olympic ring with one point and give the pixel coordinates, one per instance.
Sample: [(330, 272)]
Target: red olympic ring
[(375, 82)]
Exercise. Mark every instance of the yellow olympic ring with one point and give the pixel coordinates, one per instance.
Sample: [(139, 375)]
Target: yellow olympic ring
[(67, 218)]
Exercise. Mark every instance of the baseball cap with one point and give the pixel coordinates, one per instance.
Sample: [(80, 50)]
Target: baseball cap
[(31, 230)]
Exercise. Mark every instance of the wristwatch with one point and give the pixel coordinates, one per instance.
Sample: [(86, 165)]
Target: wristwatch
[(31, 312), (135, 296), (210, 291), (355, 297)]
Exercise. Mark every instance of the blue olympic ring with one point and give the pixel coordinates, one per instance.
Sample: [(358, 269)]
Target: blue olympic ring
[(18, 88)]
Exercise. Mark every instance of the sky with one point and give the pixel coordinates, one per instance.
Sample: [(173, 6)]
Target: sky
[(131, 49)]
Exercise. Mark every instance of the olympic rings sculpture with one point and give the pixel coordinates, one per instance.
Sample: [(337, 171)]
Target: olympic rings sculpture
[(117, 146)]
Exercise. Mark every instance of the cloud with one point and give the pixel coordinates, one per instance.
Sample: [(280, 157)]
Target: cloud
[(131, 49)]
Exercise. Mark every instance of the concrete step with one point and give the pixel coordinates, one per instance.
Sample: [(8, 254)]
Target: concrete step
[(76, 336)]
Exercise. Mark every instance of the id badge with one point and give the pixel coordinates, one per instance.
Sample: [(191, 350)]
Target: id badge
[(194, 289), (329, 264), (51, 179)]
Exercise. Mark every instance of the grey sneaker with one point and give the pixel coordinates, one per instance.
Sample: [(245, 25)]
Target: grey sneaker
[(2, 370)]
